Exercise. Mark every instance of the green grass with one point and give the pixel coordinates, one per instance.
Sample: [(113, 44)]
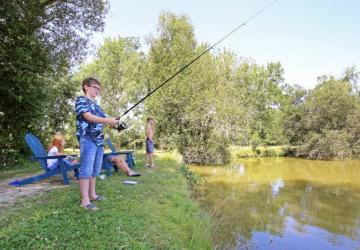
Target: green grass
[(157, 213), (20, 169)]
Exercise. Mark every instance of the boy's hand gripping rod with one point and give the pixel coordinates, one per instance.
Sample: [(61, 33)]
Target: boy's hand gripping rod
[(122, 126)]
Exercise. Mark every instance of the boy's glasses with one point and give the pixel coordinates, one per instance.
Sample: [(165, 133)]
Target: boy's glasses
[(95, 87)]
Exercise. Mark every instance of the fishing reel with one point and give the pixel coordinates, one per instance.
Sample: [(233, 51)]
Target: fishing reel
[(121, 126)]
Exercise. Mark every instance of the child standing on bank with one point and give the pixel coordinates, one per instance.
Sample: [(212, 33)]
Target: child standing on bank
[(149, 132), (90, 120)]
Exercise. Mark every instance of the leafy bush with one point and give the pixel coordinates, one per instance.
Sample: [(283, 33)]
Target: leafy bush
[(8, 157), (333, 144), (353, 129), (207, 154), (325, 124), (289, 151), (268, 152)]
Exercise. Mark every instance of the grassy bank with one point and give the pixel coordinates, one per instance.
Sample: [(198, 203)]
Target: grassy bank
[(248, 152), (157, 213)]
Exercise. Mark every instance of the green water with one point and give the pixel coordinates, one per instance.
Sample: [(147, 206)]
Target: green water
[(282, 203)]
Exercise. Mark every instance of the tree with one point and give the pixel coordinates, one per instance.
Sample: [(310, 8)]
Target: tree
[(39, 42), (259, 89), (186, 109), (119, 66), (294, 121), (218, 100), (324, 126)]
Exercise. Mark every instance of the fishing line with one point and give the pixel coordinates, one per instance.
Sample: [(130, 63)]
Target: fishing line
[(198, 56)]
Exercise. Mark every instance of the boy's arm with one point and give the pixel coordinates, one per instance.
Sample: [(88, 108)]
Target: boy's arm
[(97, 119), (82, 108)]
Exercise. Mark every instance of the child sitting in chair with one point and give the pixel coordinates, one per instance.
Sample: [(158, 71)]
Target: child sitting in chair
[(57, 148)]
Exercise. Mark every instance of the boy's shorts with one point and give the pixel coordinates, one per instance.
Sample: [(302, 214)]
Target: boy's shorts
[(91, 158), (149, 146)]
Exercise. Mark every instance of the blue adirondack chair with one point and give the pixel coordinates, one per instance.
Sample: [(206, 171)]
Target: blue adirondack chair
[(40, 154), (130, 159)]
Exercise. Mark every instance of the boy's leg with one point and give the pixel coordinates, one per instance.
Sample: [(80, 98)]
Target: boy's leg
[(87, 157), (147, 153), (147, 164), (151, 153), (92, 187), (149, 150), (121, 164), (96, 171), (152, 160), (84, 190)]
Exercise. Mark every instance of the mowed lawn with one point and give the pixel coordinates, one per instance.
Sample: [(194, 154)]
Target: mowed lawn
[(157, 213)]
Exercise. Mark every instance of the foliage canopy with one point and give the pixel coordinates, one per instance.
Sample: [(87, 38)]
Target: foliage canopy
[(39, 42)]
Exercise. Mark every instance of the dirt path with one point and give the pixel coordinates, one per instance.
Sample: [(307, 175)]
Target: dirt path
[(10, 195)]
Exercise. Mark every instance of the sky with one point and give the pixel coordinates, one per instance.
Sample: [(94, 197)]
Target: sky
[(310, 38)]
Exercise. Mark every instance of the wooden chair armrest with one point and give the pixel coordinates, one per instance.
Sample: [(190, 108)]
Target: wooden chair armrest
[(125, 152), (50, 157)]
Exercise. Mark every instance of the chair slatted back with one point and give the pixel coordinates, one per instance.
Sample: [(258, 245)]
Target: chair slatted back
[(37, 149), (111, 146)]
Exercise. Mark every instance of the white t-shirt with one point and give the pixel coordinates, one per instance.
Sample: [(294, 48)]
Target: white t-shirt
[(53, 151)]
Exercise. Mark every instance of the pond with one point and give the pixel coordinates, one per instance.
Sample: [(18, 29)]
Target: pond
[(282, 203)]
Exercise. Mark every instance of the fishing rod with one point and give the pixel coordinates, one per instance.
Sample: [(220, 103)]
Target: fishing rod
[(122, 125)]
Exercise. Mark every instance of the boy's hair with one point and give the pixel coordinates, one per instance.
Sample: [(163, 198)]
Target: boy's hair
[(149, 119), (89, 81)]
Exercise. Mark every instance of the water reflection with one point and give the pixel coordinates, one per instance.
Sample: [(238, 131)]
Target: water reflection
[(276, 186), (240, 168), (283, 203)]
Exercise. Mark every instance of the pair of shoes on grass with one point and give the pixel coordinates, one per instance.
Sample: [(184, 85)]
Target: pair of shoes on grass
[(98, 198), (91, 206)]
